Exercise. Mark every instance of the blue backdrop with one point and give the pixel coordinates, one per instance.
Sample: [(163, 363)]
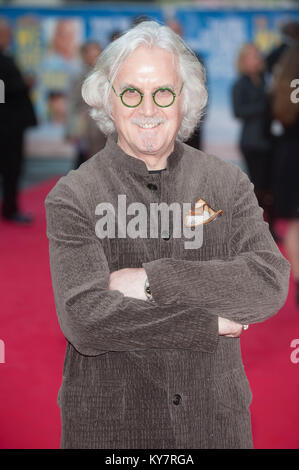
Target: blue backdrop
[(216, 35)]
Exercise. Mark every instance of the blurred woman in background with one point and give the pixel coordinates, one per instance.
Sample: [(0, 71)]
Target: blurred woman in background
[(251, 106), (82, 130), (285, 109)]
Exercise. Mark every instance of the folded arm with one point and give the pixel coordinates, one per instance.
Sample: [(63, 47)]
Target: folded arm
[(94, 318), (248, 287)]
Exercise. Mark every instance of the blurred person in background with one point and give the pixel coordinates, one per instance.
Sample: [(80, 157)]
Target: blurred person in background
[(285, 108), (195, 140), (82, 129), (251, 105), (57, 107), (54, 127), (290, 38), (16, 115), (139, 19), (61, 65), (65, 40), (115, 35)]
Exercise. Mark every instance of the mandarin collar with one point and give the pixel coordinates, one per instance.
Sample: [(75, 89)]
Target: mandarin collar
[(120, 160)]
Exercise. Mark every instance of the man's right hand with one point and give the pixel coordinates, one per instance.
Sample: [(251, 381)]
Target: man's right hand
[(229, 328)]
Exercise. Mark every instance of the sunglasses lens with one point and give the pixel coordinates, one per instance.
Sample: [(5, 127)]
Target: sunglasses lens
[(164, 97), (131, 97)]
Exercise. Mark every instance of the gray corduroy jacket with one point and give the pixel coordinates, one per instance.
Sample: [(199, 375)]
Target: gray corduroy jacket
[(140, 374)]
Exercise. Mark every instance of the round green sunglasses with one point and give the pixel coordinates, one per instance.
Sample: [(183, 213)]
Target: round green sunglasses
[(162, 97)]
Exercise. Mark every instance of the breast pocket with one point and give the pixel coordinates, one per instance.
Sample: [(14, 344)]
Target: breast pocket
[(84, 402), (206, 241)]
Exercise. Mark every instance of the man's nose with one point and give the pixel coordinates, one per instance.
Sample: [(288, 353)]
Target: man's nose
[(147, 105)]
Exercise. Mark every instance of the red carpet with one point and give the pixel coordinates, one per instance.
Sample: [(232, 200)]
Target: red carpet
[(34, 348)]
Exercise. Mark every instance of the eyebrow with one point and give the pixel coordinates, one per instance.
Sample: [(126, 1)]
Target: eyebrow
[(130, 85)]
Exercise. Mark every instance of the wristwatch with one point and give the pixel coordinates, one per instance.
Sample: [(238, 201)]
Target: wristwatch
[(148, 291)]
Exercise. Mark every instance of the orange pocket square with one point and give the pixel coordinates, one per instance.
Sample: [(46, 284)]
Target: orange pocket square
[(202, 214)]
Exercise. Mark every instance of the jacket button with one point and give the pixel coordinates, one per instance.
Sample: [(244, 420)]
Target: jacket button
[(177, 399), (165, 235), (152, 186)]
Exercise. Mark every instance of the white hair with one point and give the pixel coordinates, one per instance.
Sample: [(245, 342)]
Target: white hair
[(97, 86)]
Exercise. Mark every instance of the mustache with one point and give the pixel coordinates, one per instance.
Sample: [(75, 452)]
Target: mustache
[(154, 121)]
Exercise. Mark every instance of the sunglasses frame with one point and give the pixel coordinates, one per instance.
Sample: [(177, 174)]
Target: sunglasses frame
[(174, 95)]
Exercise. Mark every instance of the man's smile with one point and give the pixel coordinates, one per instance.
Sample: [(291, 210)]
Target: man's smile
[(148, 123), (148, 126)]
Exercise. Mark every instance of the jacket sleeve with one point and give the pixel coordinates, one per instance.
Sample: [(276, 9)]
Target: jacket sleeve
[(243, 107), (247, 287), (94, 318)]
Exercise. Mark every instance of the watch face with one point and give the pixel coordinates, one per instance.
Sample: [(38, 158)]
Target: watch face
[(149, 294), (148, 290)]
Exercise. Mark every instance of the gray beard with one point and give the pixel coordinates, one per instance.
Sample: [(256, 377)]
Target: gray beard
[(148, 143)]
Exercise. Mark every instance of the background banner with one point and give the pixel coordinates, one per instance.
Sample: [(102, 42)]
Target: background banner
[(46, 45)]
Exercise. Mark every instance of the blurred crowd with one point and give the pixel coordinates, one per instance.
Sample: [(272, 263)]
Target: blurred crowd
[(264, 98)]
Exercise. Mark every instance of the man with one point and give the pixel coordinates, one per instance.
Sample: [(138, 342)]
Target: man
[(152, 325), (16, 115)]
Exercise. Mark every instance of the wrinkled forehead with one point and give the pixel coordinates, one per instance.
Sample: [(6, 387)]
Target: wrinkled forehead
[(152, 64)]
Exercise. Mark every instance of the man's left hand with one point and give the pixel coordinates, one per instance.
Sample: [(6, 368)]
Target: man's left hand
[(129, 281)]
